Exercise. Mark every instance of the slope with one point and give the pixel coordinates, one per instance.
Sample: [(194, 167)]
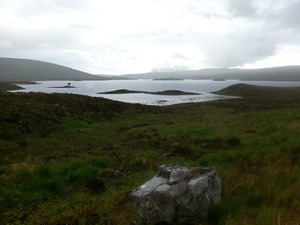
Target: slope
[(14, 70)]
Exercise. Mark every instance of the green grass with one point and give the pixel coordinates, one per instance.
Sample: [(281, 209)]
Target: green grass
[(59, 154)]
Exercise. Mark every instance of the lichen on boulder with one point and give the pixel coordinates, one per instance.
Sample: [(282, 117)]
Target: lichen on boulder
[(175, 190)]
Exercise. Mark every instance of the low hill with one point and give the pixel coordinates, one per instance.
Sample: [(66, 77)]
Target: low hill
[(38, 112), (14, 70), (284, 73), (246, 90), (259, 97)]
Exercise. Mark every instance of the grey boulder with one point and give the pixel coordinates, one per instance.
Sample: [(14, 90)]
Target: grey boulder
[(176, 190)]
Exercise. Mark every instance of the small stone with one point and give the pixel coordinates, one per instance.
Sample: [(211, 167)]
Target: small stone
[(117, 173)]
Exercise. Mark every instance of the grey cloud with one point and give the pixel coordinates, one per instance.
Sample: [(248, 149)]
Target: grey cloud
[(237, 50), (287, 17), (282, 23), (252, 31), (266, 31), (241, 8)]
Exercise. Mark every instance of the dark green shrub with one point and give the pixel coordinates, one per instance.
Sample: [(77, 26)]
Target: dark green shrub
[(83, 173), (49, 185), (8, 198), (70, 167), (100, 162), (44, 172)]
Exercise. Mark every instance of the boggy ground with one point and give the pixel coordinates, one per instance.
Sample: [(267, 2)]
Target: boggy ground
[(70, 159)]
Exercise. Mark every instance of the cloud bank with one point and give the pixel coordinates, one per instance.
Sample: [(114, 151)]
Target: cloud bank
[(118, 37)]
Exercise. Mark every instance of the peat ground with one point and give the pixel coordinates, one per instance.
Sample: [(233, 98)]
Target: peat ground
[(60, 152)]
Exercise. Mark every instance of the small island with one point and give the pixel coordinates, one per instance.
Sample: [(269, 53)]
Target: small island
[(219, 79), (167, 92), (167, 79), (66, 86)]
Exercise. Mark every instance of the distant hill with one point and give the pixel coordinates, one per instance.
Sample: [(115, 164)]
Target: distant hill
[(180, 74), (17, 70), (14, 70), (285, 73)]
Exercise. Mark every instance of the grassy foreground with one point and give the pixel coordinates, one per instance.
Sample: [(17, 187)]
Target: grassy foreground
[(70, 159)]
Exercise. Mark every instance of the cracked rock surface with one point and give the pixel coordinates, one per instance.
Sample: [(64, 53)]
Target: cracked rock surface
[(176, 190)]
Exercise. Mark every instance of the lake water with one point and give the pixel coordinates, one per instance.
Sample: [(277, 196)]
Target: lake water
[(92, 88)]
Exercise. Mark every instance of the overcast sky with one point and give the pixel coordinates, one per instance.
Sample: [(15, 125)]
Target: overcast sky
[(133, 36)]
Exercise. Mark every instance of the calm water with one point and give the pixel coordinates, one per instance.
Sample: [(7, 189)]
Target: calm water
[(91, 88)]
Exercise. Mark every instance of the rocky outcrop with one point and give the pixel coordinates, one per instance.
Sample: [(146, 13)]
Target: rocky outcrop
[(176, 190)]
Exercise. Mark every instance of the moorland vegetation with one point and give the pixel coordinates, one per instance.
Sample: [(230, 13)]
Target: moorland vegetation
[(71, 159)]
